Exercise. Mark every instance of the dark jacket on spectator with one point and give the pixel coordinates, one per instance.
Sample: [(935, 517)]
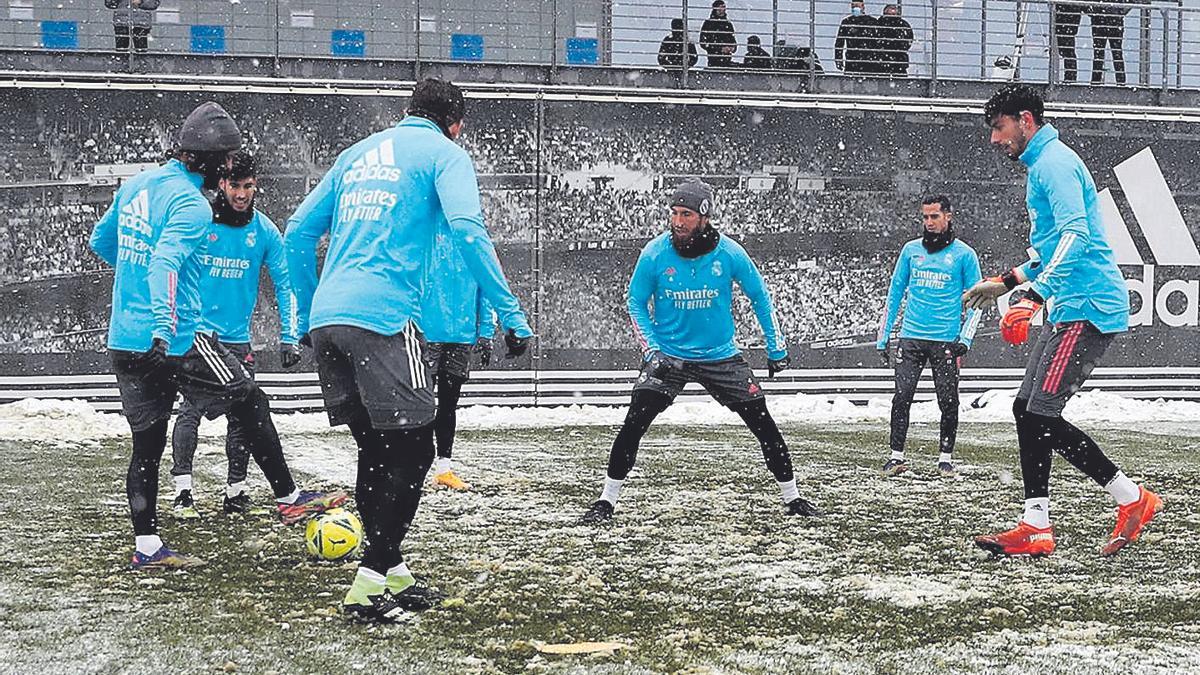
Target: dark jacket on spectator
[(856, 45), (895, 39), (791, 57), (670, 51), (756, 56), (125, 15), (715, 34)]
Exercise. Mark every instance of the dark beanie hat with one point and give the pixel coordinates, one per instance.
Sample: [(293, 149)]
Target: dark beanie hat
[(438, 101), (695, 195), (209, 129)]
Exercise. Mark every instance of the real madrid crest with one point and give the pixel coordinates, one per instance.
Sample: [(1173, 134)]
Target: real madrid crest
[(251, 239), (716, 268)]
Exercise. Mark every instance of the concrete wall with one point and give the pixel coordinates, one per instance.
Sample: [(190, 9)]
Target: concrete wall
[(518, 31)]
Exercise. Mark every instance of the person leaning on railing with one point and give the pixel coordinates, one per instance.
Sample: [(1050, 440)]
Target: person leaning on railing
[(670, 51), (791, 57), (756, 56), (132, 19)]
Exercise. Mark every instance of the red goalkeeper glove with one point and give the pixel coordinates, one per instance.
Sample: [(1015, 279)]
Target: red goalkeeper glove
[(1014, 325)]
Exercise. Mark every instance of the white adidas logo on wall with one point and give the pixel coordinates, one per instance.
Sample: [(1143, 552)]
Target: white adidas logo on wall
[(378, 163), (1166, 233)]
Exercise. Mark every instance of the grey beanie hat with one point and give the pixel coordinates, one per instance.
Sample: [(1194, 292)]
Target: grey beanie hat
[(695, 195), (209, 129)]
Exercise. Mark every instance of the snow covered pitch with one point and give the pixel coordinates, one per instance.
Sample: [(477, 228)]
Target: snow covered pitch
[(700, 572)]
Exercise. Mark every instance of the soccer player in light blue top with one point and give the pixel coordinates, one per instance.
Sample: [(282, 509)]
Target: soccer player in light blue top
[(930, 277), (382, 204), (241, 241), (687, 276), (154, 236), (1074, 271), (459, 324)]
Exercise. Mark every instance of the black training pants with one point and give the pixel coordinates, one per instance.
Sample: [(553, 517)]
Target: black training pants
[(911, 358), (392, 464), (646, 405)]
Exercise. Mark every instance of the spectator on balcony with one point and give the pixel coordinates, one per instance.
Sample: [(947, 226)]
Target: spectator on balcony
[(1108, 29), (756, 56), (671, 50), (132, 19), (895, 39), (855, 50), (1066, 17), (791, 57), (717, 37)]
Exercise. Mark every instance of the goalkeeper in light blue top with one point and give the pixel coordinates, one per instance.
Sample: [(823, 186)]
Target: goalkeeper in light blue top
[(930, 277), (680, 301), (241, 241), (1074, 272)]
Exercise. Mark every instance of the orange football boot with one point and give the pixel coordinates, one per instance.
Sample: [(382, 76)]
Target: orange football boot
[(1024, 539), (1131, 518)]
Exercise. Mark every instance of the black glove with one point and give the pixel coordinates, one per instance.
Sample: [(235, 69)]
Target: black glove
[(958, 349), (289, 355), (483, 347), (516, 345), (306, 340), (885, 358), (778, 365), (152, 359)]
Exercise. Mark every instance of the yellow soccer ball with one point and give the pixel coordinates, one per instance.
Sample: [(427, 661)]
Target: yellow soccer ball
[(333, 535)]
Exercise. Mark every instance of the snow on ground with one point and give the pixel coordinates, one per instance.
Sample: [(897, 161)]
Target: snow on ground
[(700, 570), (74, 420)]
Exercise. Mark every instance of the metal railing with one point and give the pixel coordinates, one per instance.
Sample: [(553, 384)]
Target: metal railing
[(1028, 40)]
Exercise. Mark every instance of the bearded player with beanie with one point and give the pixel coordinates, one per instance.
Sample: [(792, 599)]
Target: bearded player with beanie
[(1072, 268), (687, 274)]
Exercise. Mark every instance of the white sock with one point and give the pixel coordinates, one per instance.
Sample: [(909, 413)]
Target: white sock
[(400, 570), (1123, 490), (147, 544), (612, 490), (441, 465), (234, 489), (371, 575), (1037, 512), (945, 458), (183, 482), (289, 499), (788, 490), (898, 454)]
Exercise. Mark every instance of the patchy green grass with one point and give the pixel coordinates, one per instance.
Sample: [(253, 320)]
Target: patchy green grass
[(699, 572)]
